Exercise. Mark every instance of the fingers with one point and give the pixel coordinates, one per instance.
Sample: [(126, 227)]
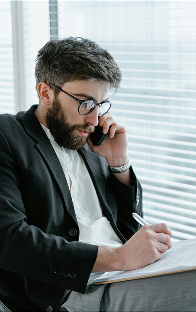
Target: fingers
[(103, 118), (109, 125), (161, 236), (161, 228), (162, 247), (156, 238), (165, 239)]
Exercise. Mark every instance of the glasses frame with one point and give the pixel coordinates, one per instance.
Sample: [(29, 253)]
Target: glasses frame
[(82, 101)]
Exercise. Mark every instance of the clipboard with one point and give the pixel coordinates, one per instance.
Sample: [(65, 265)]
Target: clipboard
[(181, 257)]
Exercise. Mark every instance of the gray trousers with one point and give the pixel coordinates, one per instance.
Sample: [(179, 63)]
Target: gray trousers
[(172, 292)]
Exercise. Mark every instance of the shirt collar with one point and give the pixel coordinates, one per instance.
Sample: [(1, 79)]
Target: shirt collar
[(48, 133)]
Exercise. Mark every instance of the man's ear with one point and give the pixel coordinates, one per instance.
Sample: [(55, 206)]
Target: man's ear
[(45, 93)]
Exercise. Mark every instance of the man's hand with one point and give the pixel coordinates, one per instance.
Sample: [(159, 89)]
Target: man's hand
[(143, 248), (146, 246), (114, 146)]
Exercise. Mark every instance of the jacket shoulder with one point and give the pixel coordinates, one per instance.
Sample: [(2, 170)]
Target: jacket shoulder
[(8, 121)]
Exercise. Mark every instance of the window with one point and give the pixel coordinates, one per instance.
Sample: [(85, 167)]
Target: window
[(6, 60), (25, 26), (154, 45), (36, 32)]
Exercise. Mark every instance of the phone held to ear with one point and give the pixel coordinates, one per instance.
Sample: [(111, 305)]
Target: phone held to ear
[(97, 136)]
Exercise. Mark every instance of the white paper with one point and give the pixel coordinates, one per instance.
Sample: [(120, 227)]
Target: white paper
[(181, 256)]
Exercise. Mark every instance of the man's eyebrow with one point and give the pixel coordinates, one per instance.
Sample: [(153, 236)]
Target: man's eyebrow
[(88, 97)]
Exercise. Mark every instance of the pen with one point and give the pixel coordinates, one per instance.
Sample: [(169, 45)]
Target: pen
[(139, 219)]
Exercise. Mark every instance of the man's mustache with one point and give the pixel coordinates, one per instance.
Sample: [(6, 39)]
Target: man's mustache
[(85, 128)]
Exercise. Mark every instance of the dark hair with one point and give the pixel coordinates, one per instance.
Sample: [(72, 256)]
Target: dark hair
[(64, 60)]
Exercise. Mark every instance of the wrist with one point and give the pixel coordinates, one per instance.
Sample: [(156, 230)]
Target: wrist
[(118, 259), (122, 168), (117, 162), (107, 260)]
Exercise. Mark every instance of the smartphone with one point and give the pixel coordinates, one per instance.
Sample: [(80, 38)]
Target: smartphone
[(97, 136)]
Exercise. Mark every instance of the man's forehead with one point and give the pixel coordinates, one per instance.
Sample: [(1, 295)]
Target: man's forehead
[(90, 89)]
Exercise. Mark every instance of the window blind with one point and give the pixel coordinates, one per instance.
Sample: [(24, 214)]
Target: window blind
[(36, 32), (25, 28), (6, 59), (53, 12), (153, 43)]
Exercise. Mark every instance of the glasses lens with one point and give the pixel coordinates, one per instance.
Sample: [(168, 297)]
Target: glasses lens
[(104, 108), (88, 106)]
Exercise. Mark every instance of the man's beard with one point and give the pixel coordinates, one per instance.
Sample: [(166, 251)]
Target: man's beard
[(63, 133)]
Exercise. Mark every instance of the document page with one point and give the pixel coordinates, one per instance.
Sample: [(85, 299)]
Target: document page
[(181, 257)]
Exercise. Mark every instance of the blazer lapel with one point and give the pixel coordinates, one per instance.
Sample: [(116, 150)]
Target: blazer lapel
[(34, 129)]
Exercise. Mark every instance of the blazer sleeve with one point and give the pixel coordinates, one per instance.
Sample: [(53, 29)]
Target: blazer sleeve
[(28, 251)]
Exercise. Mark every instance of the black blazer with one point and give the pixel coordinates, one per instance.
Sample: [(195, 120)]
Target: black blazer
[(40, 256)]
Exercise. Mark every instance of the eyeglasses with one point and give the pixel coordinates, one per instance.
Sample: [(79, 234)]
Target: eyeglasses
[(87, 106)]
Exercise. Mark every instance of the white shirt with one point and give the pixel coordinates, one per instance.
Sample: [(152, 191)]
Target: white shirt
[(94, 227)]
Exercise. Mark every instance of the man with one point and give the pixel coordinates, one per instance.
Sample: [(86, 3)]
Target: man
[(66, 205)]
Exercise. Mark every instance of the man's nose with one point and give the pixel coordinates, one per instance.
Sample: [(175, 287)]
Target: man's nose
[(92, 118)]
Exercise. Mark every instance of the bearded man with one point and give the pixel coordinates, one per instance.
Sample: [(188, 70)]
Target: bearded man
[(66, 205)]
